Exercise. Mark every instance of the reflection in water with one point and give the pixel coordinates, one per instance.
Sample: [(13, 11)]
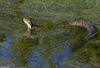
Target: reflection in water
[(23, 51), (35, 61), (62, 56), (5, 52)]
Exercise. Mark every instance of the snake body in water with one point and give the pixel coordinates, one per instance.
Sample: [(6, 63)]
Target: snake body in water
[(90, 27)]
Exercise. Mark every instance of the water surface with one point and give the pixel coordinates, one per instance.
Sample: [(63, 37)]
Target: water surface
[(59, 48)]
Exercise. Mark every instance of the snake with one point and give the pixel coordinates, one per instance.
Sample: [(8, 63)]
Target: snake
[(90, 27)]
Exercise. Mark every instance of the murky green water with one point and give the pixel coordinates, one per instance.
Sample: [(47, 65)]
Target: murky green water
[(59, 48)]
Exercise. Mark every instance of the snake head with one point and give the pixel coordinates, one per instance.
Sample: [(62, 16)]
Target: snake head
[(28, 22)]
